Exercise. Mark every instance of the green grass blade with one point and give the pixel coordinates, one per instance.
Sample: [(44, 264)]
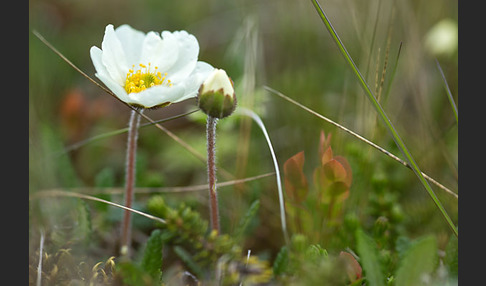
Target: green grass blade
[(281, 261), (448, 90), (399, 142), (187, 258), (247, 219), (393, 73)]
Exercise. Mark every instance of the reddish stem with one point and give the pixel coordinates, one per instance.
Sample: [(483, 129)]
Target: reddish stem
[(126, 232), (213, 195)]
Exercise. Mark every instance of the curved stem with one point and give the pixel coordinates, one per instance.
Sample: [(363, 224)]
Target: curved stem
[(126, 231), (259, 122), (213, 195)]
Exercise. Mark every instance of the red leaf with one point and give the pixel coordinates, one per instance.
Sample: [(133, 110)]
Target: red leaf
[(347, 167), (335, 171), (353, 269), (326, 156), (324, 143), (330, 182), (295, 181)]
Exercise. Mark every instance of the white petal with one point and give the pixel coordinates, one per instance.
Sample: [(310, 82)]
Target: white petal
[(104, 76), (131, 41), (188, 53), (194, 81), (118, 90), (95, 54), (157, 95), (161, 53), (113, 56), (218, 79)]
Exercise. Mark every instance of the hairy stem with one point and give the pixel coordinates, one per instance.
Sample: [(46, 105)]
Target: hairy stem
[(126, 231), (213, 195)]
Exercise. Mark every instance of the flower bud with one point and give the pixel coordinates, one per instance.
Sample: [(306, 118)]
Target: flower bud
[(216, 95)]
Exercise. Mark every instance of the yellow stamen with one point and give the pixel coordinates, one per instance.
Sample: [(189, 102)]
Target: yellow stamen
[(143, 78)]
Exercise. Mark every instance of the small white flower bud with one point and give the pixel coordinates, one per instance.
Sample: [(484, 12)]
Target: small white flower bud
[(216, 95)]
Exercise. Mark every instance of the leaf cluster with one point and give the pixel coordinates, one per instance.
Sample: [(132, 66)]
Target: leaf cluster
[(206, 254), (315, 210)]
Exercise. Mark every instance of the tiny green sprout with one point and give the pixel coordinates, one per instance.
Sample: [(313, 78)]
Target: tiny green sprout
[(216, 95)]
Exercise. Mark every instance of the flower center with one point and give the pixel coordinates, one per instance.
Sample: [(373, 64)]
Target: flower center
[(144, 78)]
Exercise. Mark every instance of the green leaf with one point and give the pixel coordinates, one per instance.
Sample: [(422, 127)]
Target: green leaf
[(152, 256), (247, 219), (281, 261), (451, 257), (105, 178), (338, 189), (369, 259), (419, 259), (83, 228), (133, 275), (157, 206), (187, 259)]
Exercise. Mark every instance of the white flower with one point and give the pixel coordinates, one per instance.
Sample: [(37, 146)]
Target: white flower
[(149, 70), (442, 38)]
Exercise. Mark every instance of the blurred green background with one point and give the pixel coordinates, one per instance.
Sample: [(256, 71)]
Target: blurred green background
[(281, 44)]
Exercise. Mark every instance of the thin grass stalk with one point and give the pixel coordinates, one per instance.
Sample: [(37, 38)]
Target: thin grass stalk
[(126, 231), (351, 132), (59, 193), (373, 37), (385, 63), (392, 76), (161, 190), (398, 141), (41, 250), (259, 122), (213, 195), (82, 143)]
